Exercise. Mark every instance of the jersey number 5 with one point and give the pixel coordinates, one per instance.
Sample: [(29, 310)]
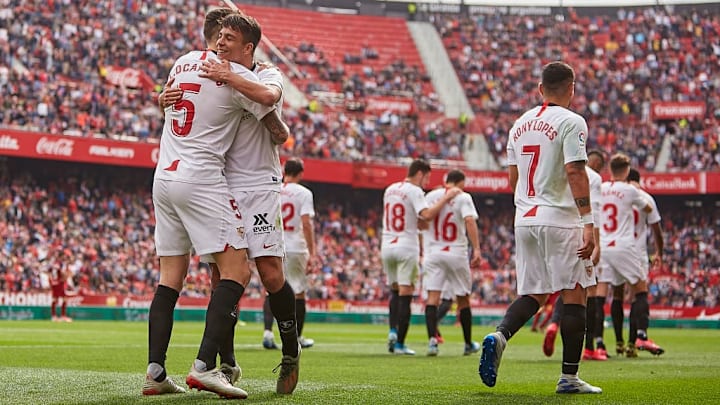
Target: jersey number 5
[(183, 128)]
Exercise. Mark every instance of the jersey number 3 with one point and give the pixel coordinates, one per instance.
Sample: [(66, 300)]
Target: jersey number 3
[(182, 128)]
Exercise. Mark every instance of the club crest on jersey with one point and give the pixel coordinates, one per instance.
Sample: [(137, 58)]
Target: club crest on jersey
[(581, 137)]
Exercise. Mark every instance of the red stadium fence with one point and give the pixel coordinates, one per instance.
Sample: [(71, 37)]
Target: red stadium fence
[(355, 174)]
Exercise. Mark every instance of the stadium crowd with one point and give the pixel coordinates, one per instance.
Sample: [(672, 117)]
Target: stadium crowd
[(56, 60), (622, 62), (99, 223)]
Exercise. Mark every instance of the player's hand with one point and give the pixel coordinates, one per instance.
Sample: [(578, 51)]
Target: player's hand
[(452, 192), (214, 70), (312, 264), (260, 66), (170, 95), (588, 243), (476, 259), (423, 224)]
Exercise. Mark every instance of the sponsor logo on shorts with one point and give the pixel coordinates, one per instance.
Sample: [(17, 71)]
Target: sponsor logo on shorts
[(266, 246), (262, 225)]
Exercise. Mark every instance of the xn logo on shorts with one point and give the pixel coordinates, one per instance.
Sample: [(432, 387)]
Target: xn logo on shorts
[(261, 224)]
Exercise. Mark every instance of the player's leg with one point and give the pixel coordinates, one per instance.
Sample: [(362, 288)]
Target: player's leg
[(642, 315), (172, 244), (532, 277), (589, 352), (172, 274), (618, 317), (268, 320), (459, 282), (433, 281), (389, 264), (228, 365), (295, 271), (53, 307), (446, 302), (554, 326), (282, 305), (407, 270), (599, 327), (214, 225), (569, 275)]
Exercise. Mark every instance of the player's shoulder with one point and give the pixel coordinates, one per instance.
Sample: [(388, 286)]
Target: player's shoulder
[(269, 74), (593, 175)]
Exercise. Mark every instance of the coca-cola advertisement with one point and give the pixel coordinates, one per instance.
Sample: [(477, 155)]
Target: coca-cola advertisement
[(371, 175), (128, 77)]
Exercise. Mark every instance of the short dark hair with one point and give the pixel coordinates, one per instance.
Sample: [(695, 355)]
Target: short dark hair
[(556, 76), (455, 176), (619, 162), (246, 25), (634, 175), (213, 22), (418, 165), (598, 154), (293, 167)]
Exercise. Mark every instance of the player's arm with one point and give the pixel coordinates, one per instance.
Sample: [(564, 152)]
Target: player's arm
[(428, 214), (659, 242), (309, 233), (596, 252), (580, 189), (513, 174), (255, 91), (279, 131), (474, 236)]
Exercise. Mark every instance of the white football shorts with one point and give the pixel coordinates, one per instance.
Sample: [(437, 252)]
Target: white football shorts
[(262, 222), (547, 261), (195, 215), (400, 265), (621, 264), (447, 273), (295, 271)]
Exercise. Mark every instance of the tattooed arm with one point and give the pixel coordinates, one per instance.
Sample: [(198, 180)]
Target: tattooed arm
[(279, 132), (580, 188)]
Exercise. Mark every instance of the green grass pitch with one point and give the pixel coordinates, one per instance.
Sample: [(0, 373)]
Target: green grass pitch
[(88, 362)]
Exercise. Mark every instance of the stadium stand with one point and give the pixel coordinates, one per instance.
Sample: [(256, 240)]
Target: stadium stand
[(86, 68)]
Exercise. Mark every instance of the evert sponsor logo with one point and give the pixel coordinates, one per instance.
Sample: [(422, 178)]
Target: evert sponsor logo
[(108, 151), (58, 147), (261, 224), (7, 142)]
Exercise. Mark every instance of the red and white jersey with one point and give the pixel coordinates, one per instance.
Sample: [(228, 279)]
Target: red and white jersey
[(618, 225), (642, 219), (58, 275), (402, 203), (595, 195), (296, 201), (447, 232), (200, 127), (253, 161), (540, 143)]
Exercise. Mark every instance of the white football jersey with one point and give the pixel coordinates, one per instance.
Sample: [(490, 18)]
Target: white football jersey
[(540, 143), (642, 220), (200, 128), (253, 162), (618, 225), (402, 203), (595, 195), (447, 232), (296, 201)]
